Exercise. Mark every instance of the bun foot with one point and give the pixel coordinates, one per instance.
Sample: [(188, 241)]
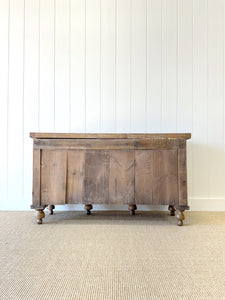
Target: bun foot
[(172, 210), (50, 208), (180, 217), (132, 208), (39, 215), (88, 208)]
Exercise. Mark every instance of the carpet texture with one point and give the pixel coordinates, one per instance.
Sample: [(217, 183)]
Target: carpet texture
[(112, 255)]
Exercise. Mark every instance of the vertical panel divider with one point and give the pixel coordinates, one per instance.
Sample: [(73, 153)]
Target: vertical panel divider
[(134, 176), (66, 191)]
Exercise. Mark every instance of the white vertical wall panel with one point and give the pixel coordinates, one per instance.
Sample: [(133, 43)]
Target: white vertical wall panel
[(15, 102), (185, 70), (47, 66), (31, 87), (169, 65), (77, 65), (184, 103), (108, 58), (200, 86), (154, 66), (93, 99), (4, 29), (123, 66), (138, 66), (215, 91), (62, 66), (113, 66)]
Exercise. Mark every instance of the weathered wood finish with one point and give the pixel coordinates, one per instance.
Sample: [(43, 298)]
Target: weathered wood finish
[(109, 144), (45, 135), (53, 177), (143, 177), (182, 177), (121, 178), (36, 177), (110, 169), (96, 180), (75, 176), (165, 188)]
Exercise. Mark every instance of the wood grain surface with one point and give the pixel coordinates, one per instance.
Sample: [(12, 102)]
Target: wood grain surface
[(121, 180), (45, 135), (75, 176), (96, 181), (53, 177), (165, 186), (143, 176), (182, 177), (109, 144), (110, 171)]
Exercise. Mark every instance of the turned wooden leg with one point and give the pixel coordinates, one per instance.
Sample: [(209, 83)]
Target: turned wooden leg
[(132, 208), (180, 217), (172, 210), (40, 215), (50, 208), (88, 208)]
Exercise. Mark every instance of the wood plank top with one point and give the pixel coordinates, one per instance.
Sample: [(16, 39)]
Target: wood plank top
[(45, 135)]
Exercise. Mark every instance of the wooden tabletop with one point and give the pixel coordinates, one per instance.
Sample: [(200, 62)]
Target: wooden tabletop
[(45, 135)]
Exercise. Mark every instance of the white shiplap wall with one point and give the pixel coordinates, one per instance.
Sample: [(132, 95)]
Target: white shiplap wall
[(113, 66)]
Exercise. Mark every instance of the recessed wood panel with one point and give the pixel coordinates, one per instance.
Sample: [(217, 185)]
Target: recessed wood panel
[(96, 182), (109, 144), (165, 185), (121, 180), (182, 177), (75, 176), (36, 177), (53, 177), (143, 176)]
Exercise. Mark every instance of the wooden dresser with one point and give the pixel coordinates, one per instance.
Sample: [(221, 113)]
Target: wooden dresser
[(130, 169)]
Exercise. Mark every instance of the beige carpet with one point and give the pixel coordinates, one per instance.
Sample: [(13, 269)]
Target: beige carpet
[(112, 255)]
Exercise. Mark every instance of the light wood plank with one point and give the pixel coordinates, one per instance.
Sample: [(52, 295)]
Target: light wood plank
[(143, 176), (44, 135), (115, 144), (182, 177), (36, 178), (53, 177), (121, 179), (75, 176), (165, 186), (96, 182)]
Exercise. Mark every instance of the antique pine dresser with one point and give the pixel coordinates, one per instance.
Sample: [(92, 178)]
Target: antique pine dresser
[(130, 169)]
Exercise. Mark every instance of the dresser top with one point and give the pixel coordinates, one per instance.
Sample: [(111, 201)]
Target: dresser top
[(45, 135)]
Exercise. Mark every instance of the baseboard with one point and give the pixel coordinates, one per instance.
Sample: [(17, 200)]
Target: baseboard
[(207, 203)]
